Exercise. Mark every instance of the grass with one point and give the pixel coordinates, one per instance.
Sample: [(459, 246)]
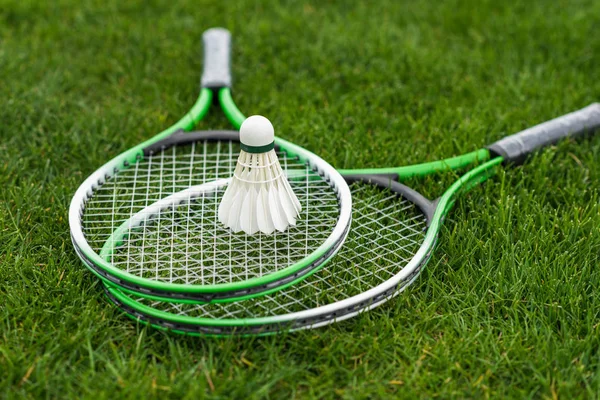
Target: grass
[(508, 306)]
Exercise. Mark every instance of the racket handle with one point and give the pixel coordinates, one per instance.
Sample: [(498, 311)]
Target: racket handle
[(515, 148), (217, 58)]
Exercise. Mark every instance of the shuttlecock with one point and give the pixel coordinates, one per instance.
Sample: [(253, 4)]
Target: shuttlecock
[(259, 196)]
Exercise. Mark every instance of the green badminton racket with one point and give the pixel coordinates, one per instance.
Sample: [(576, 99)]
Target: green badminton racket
[(393, 234)]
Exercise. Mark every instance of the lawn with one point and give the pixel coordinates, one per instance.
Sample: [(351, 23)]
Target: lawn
[(508, 305)]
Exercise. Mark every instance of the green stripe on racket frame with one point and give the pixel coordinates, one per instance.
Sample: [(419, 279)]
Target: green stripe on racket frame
[(147, 221), (393, 234)]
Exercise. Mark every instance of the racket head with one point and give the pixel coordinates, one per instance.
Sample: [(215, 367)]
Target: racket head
[(137, 225), (387, 247)]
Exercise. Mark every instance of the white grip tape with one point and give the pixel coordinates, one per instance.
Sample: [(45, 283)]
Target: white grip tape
[(516, 147), (217, 58)]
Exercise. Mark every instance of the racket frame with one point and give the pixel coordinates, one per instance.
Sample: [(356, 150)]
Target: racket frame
[(324, 315)]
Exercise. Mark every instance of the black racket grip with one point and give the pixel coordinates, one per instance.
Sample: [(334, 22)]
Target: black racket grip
[(515, 148), (217, 58)]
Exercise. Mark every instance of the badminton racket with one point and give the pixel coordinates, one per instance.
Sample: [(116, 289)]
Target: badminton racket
[(394, 232)]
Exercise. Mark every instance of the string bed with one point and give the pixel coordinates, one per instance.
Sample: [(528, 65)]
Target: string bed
[(386, 233), (187, 244)]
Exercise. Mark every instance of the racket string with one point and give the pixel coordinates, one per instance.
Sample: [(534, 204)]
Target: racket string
[(186, 243), (385, 235)]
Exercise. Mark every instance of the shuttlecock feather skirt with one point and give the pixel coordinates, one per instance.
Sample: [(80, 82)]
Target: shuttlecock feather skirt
[(259, 196)]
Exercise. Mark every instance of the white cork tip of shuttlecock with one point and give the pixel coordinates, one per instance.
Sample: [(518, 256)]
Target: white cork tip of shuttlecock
[(259, 196), (257, 131)]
